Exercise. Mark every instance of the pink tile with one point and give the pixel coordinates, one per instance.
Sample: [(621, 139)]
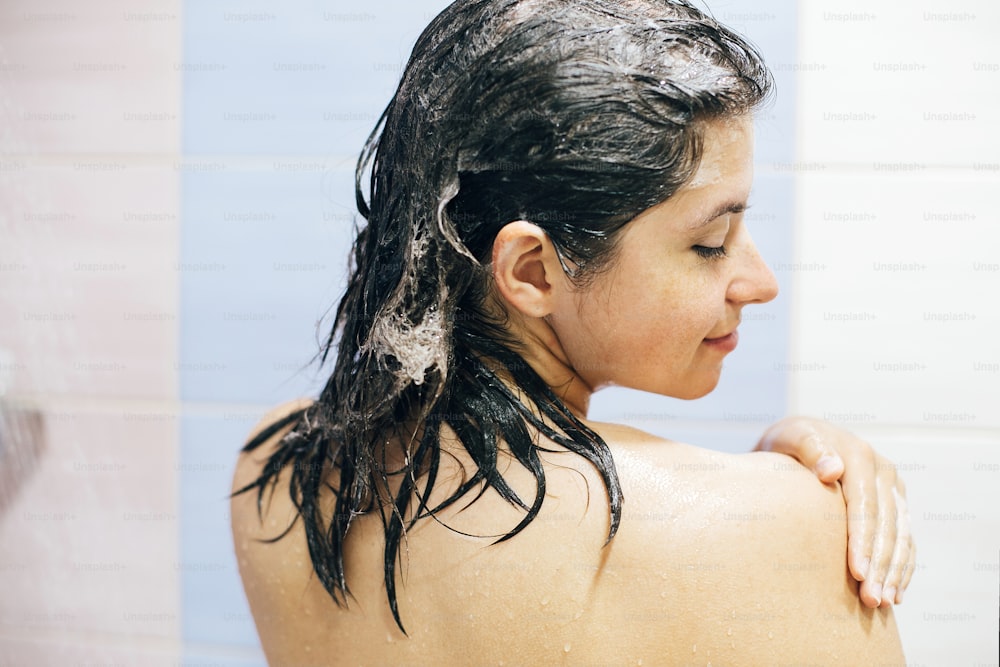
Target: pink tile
[(88, 282), (90, 542), (92, 78), (57, 650)]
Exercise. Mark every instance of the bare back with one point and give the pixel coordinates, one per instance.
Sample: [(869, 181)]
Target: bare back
[(719, 559)]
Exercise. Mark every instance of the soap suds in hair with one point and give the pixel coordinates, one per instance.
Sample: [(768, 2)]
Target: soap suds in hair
[(418, 347)]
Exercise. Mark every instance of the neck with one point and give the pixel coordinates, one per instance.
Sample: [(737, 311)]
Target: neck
[(541, 350)]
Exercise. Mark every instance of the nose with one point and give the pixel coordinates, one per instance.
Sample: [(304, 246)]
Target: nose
[(753, 282)]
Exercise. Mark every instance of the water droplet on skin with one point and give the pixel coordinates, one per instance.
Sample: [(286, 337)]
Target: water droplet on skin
[(770, 635), (729, 632), (308, 648), (640, 662), (567, 647), (694, 649), (545, 601), (734, 613)]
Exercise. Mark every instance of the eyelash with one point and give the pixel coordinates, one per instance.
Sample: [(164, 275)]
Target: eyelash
[(710, 253)]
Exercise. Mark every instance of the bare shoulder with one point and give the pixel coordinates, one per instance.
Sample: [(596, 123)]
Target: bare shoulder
[(743, 554), (268, 569), (250, 521), (250, 464)]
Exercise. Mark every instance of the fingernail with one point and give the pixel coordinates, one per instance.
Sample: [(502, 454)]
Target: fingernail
[(889, 595), (876, 591), (826, 465)]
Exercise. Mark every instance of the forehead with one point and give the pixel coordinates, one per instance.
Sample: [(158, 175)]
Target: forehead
[(723, 178), (727, 155)]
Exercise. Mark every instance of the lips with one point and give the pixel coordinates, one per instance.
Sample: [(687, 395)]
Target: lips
[(725, 343)]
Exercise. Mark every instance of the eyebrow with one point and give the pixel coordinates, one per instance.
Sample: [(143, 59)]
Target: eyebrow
[(722, 209)]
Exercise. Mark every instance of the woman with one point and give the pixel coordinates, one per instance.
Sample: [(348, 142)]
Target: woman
[(555, 206)]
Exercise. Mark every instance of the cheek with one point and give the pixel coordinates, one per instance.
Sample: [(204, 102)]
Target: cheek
[(642, 329), (646, 326), (663, 342), (671, 309)]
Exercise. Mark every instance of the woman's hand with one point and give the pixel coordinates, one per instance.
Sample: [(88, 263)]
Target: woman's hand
[(880, 550)]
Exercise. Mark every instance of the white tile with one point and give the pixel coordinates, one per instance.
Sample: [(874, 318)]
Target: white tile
[(949, 611), (892, 312), (885, 83)]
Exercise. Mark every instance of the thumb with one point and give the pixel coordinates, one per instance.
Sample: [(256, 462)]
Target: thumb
[(806, 445)]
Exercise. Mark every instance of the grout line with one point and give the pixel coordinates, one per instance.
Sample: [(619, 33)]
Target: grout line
[(114, 404), (337, 162), (92, 638), (241, 651)]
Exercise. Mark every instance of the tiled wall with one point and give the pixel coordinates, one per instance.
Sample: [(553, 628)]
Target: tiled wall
[(896, 281), (89, 221), (176, 208)]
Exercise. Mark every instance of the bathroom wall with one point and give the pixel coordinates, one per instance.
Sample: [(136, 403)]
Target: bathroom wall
[(90, 102), (175, 213), (896, 274)]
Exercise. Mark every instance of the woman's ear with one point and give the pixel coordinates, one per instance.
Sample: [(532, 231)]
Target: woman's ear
[(526, 268)]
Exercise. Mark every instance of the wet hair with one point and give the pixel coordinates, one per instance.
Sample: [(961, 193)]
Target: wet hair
[(575, 116)]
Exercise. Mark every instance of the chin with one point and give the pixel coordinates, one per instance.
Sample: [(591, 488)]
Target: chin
[(692, 395), (689, 391)]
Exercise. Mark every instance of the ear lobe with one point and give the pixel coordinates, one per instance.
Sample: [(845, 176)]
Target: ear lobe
[(523, 263)]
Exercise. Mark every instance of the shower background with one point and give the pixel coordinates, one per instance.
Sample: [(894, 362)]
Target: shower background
[(175, 213)]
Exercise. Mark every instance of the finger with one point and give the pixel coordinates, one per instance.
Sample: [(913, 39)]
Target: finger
[(911, 561), (900, 554), (911, 566), (808, 447), (861, 494), (885, 538)]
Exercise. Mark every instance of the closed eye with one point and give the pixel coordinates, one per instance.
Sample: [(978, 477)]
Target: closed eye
[(709, 252)]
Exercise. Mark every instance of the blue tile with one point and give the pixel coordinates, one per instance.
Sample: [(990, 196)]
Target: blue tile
[(263, 256), (771, 25), (198, 657), (303, 77), (214, 607)]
